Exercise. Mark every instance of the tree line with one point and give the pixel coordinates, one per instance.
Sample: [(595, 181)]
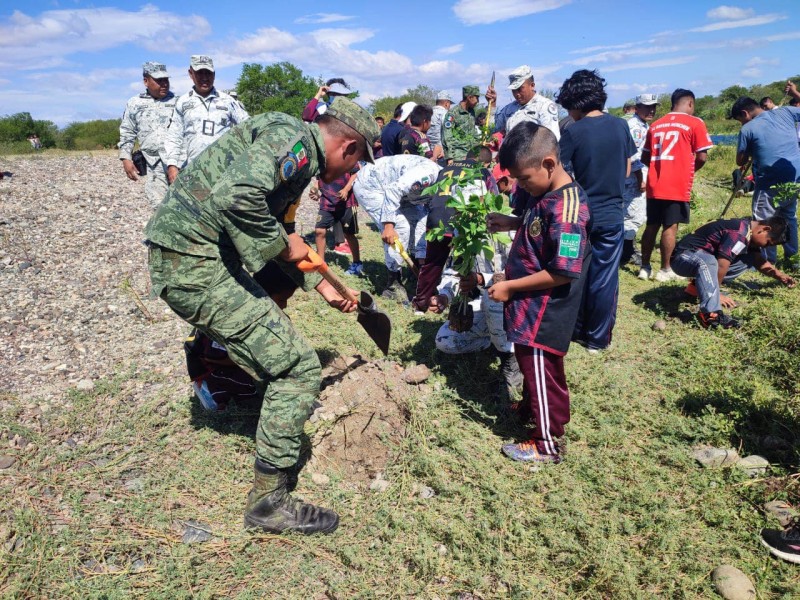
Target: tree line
[(285, 88)]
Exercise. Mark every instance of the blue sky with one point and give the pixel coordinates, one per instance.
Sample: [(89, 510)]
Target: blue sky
[(73, 60)]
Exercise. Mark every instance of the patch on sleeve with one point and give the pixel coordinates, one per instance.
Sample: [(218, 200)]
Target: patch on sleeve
[(738, 248), (448, 121), (295, 159), (553, 109), (569, 246)]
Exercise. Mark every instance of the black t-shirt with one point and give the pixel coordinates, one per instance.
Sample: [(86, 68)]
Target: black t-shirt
[(596, 150)]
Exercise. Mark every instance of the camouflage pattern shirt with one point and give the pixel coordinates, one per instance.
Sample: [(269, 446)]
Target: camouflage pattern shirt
[(197, 122), (145, 119), (235, 195), (459, 134)]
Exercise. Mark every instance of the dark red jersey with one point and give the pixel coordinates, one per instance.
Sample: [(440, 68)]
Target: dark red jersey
[(552, 237), (726, 238)]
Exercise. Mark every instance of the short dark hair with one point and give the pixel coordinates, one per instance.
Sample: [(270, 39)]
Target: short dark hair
[(679, 95), (744, 103), (794, 102), (336, 128), (398, 111), (778, 229), (480, 153), (421, 113), (584, 90), (763, 101), (527, 144)]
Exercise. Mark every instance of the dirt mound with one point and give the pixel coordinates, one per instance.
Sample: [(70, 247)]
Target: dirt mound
[(361, 417)]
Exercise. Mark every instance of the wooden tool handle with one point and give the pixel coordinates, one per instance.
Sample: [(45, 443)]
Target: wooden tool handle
[(314, 262)]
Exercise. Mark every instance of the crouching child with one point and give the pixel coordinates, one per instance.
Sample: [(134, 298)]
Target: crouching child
[(545, 273), (720, 251)]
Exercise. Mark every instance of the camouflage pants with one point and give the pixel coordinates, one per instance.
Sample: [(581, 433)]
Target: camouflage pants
[(156, 186), (221, 299)]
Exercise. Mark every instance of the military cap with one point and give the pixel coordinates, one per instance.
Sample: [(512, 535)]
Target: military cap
[(351, 114), (470, 90), (201, 61), (647, 99), (444, 95), (519, 76), (155, 70)]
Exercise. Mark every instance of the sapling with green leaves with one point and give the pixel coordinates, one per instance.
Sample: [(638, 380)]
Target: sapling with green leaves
[(784, 192), (471, 204)]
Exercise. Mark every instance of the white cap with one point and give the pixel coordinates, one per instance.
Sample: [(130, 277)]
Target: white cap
[(406, 110), (519, 76), (647, 99)]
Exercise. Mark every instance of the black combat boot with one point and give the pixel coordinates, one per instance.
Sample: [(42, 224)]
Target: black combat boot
[(271, 508), (512, 377), (394, 288)]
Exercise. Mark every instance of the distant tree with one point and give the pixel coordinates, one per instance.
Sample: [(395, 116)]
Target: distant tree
[(278, 87), (731, 94), (421, 94), (90, 135), (17, 128)]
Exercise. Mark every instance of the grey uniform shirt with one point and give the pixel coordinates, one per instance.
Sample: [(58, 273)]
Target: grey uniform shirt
[(197, 122), (435, 132), (540, 110), (145, 119)]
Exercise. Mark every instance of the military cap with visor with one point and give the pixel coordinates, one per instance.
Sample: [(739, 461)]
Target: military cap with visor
[(351, 114), (519, 76), (198, 62), (470, 90), (156, 70)]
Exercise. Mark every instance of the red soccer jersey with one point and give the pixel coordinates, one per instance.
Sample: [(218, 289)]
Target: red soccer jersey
[(672, 142)]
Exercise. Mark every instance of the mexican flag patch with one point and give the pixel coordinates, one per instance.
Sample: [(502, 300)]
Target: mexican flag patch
[(299, 151)]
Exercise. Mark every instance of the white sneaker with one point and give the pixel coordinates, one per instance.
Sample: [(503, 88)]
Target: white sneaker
[(665, 275), (645, 272)]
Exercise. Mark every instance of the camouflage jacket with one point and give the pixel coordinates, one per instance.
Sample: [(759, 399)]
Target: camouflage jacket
[(197, 122), (235, 195), (145, 119), (459, 135)]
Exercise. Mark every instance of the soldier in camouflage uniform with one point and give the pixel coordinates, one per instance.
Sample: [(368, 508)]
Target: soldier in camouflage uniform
[(459, 135), (219, 223), (146, 118), (201, 116)]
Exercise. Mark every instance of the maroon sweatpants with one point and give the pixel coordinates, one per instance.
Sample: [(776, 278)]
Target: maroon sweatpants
[(431, 272), (545, 388)]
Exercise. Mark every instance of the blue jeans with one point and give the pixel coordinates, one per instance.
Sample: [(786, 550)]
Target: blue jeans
[(704, 268), (763, 209)]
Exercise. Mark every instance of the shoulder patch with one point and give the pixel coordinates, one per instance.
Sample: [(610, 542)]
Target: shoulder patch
[(552, 109), (569, 245), (287, 167)]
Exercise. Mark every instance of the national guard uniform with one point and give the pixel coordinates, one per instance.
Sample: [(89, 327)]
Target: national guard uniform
[(198, 121), (459, 134), (218, 224), (539, 109), (437, 120), (635, 201), (147, 119)]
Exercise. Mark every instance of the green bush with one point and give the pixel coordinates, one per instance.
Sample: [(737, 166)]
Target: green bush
[(91, 135), (17, 128)]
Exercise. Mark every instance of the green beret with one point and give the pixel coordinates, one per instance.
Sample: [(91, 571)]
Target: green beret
[(470, 90)]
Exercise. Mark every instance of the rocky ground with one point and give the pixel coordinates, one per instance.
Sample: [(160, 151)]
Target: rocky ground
[(75, 301)]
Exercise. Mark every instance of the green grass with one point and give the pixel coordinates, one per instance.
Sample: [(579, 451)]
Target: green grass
[(627, 515)]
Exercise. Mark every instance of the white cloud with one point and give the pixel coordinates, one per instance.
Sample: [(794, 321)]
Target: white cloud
[(782, 37), (341, 37), (27, 41), (729, 13), (481, 12), (752, 72), (454, 49), (263, 41), (651, 64), (321, 18), (736, 23), (758, 61)]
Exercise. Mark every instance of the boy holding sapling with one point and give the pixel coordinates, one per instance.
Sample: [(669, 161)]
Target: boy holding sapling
[(722, 250), (542, 291)]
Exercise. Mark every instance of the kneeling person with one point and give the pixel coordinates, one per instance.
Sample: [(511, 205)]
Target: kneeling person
[(707, 255), (216, 226)]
